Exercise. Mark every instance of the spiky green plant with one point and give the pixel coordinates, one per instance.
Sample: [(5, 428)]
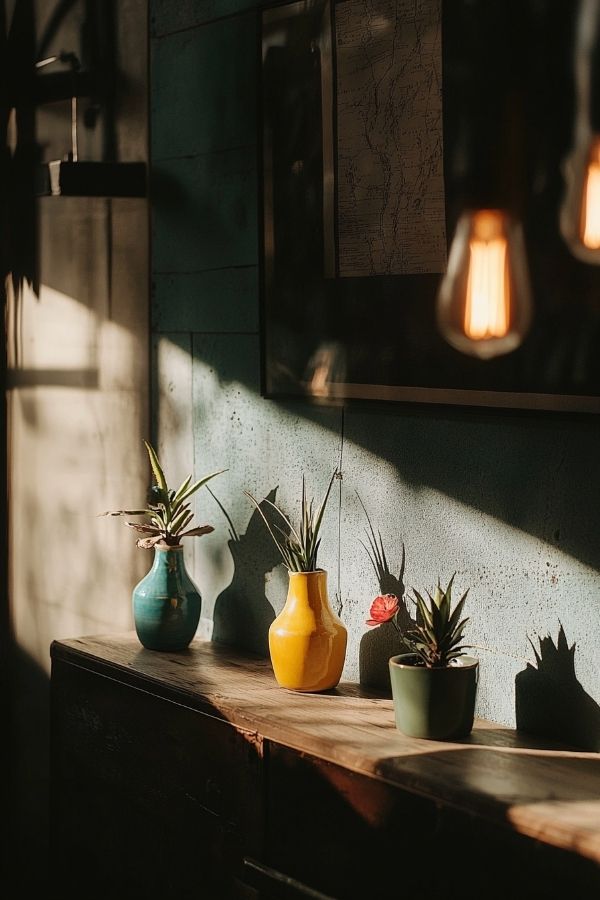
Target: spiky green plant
[(298, 546), (232, 529), (438, 635), (170, 514)]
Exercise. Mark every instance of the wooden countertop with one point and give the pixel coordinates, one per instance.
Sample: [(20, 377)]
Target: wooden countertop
[(541, 790)]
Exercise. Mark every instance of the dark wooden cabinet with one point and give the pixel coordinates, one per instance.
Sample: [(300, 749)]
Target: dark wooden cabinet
[(150, 798), (354, 837), (192, 775)]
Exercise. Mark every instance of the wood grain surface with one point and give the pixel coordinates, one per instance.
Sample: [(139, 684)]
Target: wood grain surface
[(541, 790)]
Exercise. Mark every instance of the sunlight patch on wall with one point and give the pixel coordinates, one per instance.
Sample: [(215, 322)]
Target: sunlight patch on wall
[(74, 410), (520, 585), (54, 331)]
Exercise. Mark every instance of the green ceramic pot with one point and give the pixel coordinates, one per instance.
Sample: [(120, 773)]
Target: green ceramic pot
[(166, 603), (434, 703)]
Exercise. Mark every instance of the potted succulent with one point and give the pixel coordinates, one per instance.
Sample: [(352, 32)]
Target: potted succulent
[(166, 602), (307, 641), (434, 684)]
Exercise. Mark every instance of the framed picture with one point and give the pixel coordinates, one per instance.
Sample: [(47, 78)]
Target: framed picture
[(382, 120)]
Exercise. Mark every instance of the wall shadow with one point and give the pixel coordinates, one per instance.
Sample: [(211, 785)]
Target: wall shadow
[(28, 776), (93, 254), (551, 702), (383, 641), (242, 613), (538, 489), (19, 210)]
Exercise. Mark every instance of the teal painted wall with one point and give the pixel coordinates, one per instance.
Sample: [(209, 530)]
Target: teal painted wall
[(511, 503)]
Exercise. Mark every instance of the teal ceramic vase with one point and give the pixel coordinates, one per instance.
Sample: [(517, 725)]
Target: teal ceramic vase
[(438, 704), (166, 603)]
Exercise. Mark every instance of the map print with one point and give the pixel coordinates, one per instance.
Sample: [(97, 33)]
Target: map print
[(391, 215)]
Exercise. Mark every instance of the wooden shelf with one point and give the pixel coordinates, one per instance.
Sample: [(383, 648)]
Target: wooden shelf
[(546, 792)]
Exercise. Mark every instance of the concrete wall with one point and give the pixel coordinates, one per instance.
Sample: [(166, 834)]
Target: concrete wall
[(509, 503)]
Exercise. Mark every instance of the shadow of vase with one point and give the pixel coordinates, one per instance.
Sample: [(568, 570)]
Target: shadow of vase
[(383, 641), (242, 613), (551, 702), (376, 648)]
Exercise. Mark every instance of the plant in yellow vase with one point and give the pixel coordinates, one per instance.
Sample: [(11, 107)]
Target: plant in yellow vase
[(307, 640)]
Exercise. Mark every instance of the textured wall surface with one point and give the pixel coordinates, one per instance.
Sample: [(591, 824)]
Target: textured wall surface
[(510, 503), (79, 378)]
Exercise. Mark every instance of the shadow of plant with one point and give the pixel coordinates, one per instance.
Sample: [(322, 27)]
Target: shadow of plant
[(242, 613), (551, 702), (377, 645)]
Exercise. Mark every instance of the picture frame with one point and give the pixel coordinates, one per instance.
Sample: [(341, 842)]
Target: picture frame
[(376, 134)]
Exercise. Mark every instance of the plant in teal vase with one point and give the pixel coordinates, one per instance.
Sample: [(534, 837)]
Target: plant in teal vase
[(169, 512), (166, 602)]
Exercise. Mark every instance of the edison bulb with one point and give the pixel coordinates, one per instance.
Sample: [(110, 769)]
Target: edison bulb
[(580, 212), (484, 302)]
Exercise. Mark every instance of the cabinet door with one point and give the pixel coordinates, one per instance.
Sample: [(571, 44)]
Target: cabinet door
[(350, 837), (149, 797), (339, 833)]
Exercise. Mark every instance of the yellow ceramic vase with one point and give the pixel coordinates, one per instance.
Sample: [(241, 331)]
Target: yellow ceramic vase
[(307, 641)]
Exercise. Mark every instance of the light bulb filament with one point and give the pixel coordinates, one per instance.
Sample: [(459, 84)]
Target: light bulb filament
[(484, 303), (487, 301), (590, 211)]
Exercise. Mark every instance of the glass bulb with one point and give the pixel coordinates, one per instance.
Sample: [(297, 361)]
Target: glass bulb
[(484, 302), (580, 213)]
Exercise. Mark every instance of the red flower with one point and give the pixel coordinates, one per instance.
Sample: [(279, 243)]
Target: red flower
[(383, 609)]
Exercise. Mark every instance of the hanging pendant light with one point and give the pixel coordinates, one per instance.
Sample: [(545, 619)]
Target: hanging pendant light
[(580, 214), (580, 211), (484, 302)]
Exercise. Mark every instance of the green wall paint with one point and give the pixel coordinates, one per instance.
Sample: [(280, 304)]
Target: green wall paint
[(509, 502)]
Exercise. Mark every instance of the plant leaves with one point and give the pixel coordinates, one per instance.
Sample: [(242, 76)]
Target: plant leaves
[(438, 635), (184, 517), (144, 529), (197, 532), (175, 499), (126, 512), (320, 512), (279, 545), (150, 542), (284, 517), (298, 548), (232, 530), (159, 475), (198, 484)]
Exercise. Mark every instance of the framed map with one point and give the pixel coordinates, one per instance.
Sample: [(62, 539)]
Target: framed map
[(390, 165), (375, 126)]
